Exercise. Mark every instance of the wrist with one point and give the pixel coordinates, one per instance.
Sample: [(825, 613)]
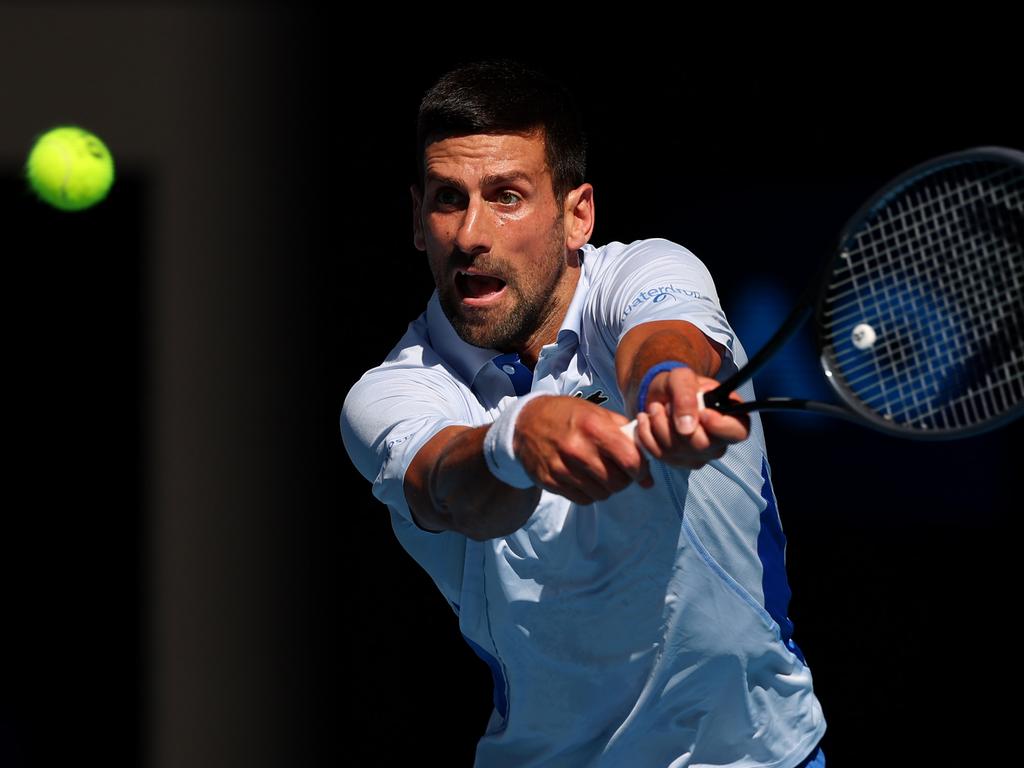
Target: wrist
[(648, 378), (498, 448)]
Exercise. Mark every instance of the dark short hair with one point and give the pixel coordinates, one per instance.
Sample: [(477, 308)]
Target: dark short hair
[(506, 97)]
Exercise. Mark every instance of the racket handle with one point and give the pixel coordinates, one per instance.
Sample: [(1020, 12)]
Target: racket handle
[(629, 430), (704, 400), (712, 399), (718, 400)]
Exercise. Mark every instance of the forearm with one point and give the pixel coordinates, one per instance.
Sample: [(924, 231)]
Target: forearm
[(671, 425), (450, 487), (647, 345)]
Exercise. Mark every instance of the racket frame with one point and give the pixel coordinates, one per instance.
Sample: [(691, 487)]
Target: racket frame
[(813, 301)]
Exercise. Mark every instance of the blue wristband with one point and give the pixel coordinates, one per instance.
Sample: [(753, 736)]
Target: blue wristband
[(654, 370)]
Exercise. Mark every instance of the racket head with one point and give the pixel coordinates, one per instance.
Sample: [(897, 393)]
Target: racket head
[(920, 315)]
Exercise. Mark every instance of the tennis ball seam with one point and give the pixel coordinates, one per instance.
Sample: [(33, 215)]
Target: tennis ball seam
[(67, 169), (70, 168)]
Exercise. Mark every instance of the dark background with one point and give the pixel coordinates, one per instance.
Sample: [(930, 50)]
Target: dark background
[(193, 574)]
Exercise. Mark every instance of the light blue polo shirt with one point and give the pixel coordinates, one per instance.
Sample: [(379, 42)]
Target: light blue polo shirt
[(649, 629)]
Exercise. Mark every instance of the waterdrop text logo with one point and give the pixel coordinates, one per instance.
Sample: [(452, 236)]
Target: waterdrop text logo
[(658, 295)]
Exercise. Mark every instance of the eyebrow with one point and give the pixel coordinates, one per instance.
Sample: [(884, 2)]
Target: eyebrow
[(491, 180)]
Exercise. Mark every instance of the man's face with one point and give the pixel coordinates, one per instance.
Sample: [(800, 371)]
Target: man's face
[(494, 235)]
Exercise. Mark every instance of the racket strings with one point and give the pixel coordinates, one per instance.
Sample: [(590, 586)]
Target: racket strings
[(916, 407), (937, 271), (915, 331), (954, 369), (915, 282), (878, 242)]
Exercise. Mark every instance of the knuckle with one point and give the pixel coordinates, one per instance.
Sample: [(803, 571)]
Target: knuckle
[(559, 478), (682, 374), (685, 377), (590, 423), (573, 446)]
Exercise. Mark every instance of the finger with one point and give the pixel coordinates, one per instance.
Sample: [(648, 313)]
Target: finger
[(617, 418), (623, 450), (612, 475), (595, 478), (683, 388), (557, 479), (644, 442), (573, 487), (575, 496), (725, 428), (650, 447), (698, 440), (660, 426), (645, 480)]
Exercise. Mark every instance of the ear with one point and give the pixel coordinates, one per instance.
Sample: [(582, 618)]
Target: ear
[(417, 222), (579, 217)]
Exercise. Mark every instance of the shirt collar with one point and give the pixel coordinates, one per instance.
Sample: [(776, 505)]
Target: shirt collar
[(466, 359)]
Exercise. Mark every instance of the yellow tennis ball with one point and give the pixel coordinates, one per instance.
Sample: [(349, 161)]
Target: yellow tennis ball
[(70, 168)]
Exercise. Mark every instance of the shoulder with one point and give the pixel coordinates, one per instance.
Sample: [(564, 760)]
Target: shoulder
[(413, 366), (626, 273), (619, 261), (412, 384)]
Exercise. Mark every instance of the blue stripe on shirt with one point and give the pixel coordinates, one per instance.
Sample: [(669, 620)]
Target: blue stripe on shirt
[(771, 548), (500, 697)]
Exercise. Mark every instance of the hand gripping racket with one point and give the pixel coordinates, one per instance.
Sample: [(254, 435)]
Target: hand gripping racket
[(920, 310)]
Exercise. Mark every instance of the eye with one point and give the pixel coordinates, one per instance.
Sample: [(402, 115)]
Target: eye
[(446, 197), (508, 197)]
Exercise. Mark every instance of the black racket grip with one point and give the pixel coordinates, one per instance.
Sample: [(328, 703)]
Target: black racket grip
[(718, 400)]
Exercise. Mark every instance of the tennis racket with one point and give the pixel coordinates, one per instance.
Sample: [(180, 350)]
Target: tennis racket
[(919, 311)]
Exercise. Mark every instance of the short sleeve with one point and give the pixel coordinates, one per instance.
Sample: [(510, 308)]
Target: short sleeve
[(659, 280), (652, 280), (389, 415)]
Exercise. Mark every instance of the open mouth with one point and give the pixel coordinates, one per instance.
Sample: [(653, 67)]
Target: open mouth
[(475, 288)]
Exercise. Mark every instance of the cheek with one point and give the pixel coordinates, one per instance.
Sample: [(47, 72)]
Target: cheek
[(525, 237), (439, 229), (435, 261), (433, 232)]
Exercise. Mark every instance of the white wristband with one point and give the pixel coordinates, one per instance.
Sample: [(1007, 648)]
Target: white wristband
[(498, 453)]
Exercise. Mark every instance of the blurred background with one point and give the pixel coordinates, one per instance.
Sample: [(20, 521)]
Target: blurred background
[(193, 573)]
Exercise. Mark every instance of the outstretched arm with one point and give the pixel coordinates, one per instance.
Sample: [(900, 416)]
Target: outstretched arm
[(450, 488), (566, 445)]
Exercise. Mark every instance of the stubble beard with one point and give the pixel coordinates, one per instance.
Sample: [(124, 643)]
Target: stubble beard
[(531, 308)]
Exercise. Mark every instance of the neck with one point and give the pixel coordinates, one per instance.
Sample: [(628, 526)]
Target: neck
[(547, 331)]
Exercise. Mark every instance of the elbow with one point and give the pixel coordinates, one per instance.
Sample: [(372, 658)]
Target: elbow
[(465, 498), (473, 525), (459, 516), (494, 516), (476, 533)]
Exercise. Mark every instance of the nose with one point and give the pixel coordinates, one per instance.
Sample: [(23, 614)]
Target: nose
[(474, 234)]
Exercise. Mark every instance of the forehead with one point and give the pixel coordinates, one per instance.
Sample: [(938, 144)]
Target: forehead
[(487, 154)]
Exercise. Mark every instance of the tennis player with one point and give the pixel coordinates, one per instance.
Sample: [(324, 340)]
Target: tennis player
[(629, 596)]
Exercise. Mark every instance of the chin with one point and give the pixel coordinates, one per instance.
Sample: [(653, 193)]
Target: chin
[(499, 326), (478, 334)]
